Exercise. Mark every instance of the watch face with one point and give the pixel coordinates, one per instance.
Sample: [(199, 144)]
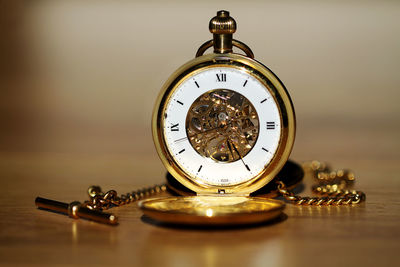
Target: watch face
[(221, 125)]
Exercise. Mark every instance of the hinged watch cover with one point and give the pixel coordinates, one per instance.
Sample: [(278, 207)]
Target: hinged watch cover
[(187, 208)]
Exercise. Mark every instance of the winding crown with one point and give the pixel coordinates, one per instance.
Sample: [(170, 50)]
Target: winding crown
[(222, 27), (222, 23)]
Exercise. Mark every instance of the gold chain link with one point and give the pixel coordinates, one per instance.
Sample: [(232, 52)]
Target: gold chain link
[(103, 201), (331, 185)]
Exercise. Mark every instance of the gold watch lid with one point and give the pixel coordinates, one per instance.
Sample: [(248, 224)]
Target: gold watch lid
[(221, 209), (212, 210)]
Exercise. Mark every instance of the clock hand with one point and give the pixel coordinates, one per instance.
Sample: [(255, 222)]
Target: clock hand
[(180, 139), (237, 151), (186, 137), (206, 131), (230, 148)]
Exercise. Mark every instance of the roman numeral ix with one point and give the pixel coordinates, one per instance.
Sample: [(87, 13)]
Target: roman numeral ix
[(175, 127)]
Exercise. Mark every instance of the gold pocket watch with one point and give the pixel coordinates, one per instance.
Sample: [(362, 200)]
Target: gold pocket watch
[(223, 126)]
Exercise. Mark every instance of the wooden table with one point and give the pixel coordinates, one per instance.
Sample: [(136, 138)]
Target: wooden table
[(364, 235)]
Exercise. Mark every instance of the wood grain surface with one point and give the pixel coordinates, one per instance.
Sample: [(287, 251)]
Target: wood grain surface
[(78, 82), (364, 235)]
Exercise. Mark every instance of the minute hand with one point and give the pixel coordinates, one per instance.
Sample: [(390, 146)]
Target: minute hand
[(237, 151)]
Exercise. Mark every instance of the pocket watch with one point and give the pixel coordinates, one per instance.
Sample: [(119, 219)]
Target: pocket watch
[(223, 126)]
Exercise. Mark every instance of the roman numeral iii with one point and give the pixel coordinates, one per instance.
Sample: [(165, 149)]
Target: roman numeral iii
[(270, 125)]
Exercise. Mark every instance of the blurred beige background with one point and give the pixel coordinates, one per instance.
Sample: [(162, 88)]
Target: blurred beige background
[(81, 77)]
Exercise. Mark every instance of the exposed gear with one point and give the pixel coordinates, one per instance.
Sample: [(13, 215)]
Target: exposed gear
[(220, 119)]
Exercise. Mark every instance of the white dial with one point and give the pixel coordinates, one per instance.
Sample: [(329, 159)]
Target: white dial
[(234, 153)]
